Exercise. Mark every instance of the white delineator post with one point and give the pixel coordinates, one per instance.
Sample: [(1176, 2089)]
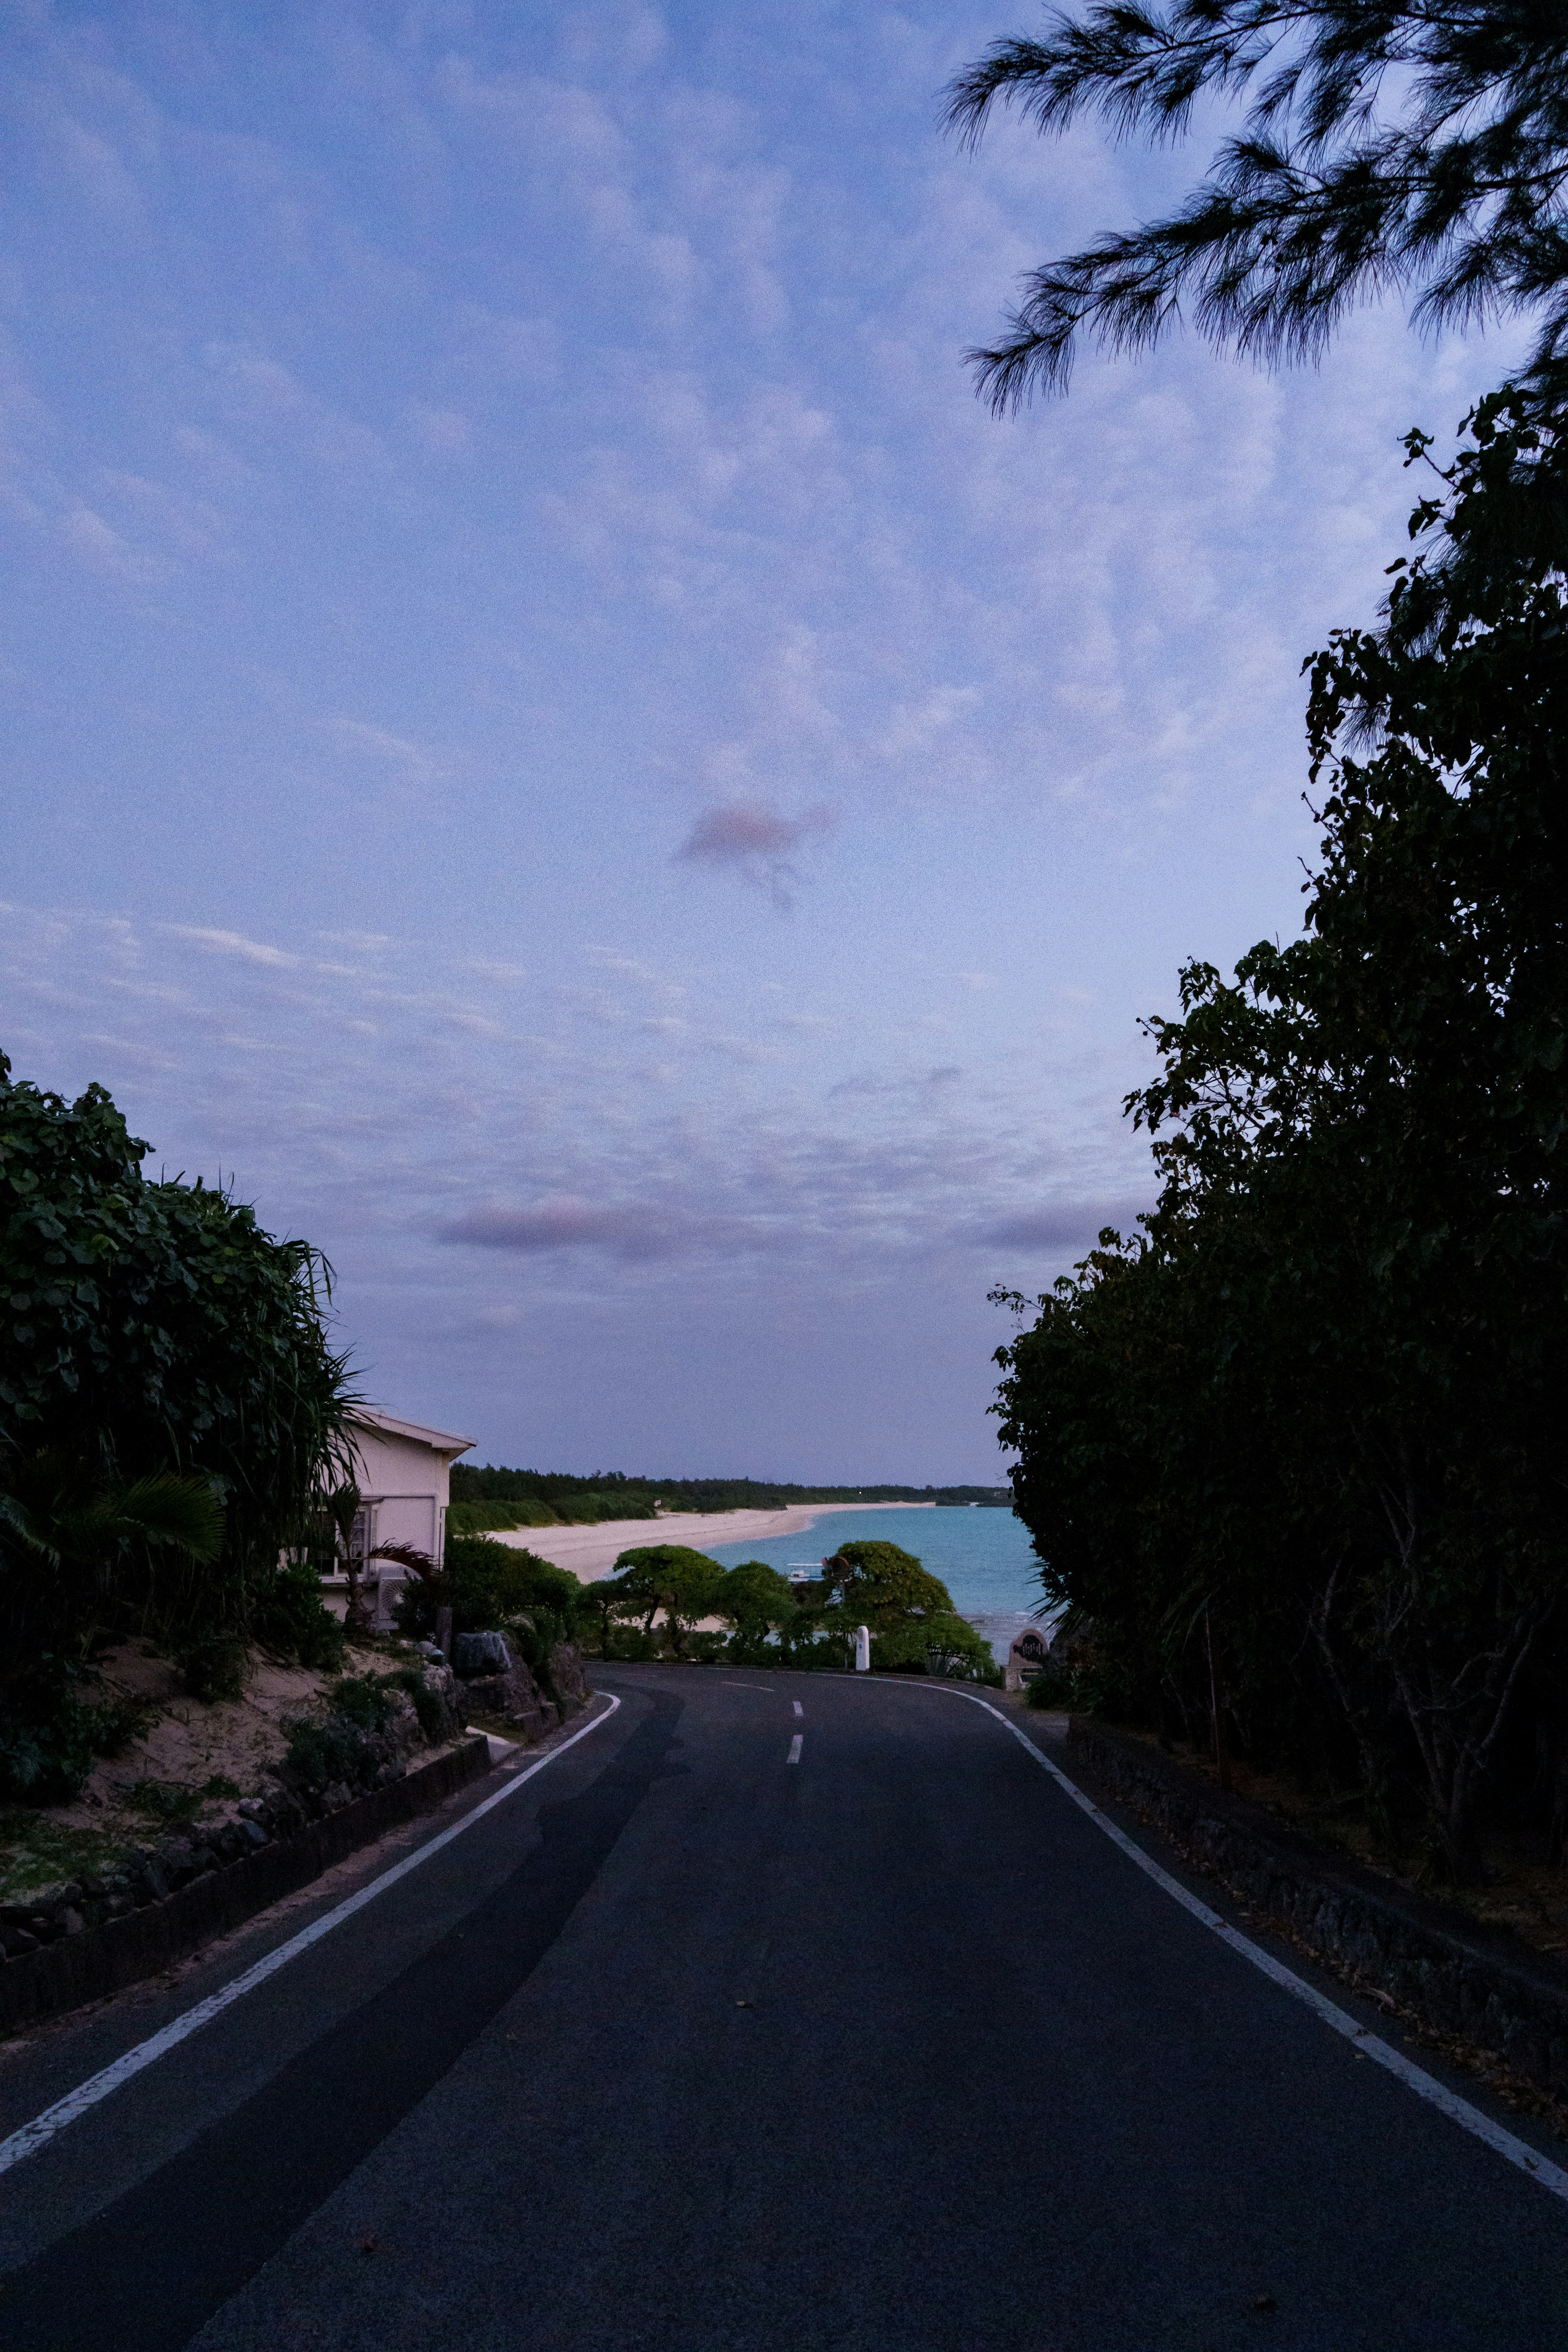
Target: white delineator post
[(862, 1650)]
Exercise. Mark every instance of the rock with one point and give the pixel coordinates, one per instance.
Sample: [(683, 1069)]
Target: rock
[(117, 1905), (251, 1835), (516, 1698), (482, 1653), (17, 1940), (442, 1684), (70, 1919), (252, 1809), (178, 1856), (569, 1676)]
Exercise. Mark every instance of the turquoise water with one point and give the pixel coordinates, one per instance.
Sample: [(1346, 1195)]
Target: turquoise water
[(983, 1557)]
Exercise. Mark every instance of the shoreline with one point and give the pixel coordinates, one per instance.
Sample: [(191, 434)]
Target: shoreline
[(591, 1552)]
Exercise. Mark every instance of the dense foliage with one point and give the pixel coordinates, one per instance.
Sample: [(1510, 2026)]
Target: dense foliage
[(498, 1497), (1309, 1419), (169, 1405), (485, 1585), (907, 1611), (1385, 146)]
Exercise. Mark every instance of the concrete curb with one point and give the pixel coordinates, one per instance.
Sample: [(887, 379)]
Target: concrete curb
[(103, 1960), (1478, 1983)]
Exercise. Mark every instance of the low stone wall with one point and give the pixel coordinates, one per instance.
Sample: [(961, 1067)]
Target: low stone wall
[(107, 1933), (1480, 1984)]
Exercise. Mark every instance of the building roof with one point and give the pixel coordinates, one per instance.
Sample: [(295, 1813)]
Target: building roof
[(440, 1440)]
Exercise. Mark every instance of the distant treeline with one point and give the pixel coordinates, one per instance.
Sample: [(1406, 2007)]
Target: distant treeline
[(500, 1498)]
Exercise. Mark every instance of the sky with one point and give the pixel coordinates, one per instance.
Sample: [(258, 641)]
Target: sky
[(554, 745)]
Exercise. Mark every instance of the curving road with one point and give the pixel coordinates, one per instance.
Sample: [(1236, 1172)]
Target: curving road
[(781, 2013)]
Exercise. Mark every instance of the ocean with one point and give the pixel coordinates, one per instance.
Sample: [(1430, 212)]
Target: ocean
[(983, 1556)]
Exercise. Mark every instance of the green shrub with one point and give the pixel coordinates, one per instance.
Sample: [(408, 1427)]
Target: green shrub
[(51, 1736), (293, 1621), (321, 1753), (818, 1654), (362, 1701), (1052, 1688), (630, 1645), (175, 1801), (215, 1668), (156, 1332), (487, 1585), (909, 1648)]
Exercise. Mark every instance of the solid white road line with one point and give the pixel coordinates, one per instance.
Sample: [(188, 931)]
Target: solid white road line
[(1415, 2078), (797, 1706), (794, 1749), (87, 2094)]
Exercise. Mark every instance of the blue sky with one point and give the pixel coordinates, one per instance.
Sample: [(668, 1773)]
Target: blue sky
[(550, 740)]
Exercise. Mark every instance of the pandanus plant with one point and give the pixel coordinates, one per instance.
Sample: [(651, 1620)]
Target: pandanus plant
[(69, 1536)]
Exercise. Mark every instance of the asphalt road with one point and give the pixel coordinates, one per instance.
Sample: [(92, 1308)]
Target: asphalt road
[(689, 2047)]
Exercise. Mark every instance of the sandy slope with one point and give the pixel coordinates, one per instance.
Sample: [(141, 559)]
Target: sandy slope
[(592, 1552)]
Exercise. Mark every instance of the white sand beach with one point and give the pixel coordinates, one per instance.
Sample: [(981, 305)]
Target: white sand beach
[(592, 1552)]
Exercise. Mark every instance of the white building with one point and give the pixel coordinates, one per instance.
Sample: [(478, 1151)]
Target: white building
[(404, 1473)]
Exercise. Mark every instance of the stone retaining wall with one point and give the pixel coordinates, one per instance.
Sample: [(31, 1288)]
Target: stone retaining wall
[(1478, 1983), (184, 1893)]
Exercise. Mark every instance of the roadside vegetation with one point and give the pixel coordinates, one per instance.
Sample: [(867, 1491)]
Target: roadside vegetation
[(663, 1600), (498, 1499), (1292, 1454), (170, 1412)]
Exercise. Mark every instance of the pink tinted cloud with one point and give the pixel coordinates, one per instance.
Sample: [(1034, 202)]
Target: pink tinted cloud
[(756, 839)]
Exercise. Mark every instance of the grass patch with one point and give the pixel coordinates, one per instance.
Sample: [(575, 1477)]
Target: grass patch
[(177, 1802), (36, 1851)]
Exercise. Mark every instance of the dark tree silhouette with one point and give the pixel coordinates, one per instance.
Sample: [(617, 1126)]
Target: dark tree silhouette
[(1421, 147)]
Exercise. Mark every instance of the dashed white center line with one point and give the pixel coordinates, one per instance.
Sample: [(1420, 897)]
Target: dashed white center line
[(794, 1749), (797, 1706)]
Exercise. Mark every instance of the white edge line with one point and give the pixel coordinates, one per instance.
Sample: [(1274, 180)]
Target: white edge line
[(43, 2128), (1415, 2078)]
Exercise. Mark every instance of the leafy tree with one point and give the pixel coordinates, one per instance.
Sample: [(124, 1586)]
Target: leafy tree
[(757, 1601), (1384, 146), (605, 1599), (1317, 1404), (671, 1577), (752, 1597), (169, 1412), (877, 1585), (155, 1327)]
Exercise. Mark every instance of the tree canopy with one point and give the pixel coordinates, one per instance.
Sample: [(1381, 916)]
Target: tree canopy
[(1313, 1408), (671, 1577), (1384, 146), (155, 1326), (877, 1584), (171, 1411)]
